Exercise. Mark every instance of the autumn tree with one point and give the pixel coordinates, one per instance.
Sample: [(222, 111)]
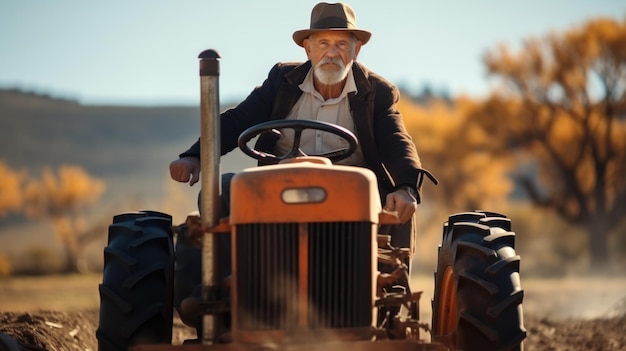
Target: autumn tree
[(11, 183), (62, 197), (561, 109), (472, 175)]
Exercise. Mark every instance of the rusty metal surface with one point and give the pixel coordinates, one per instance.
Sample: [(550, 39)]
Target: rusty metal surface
[(385, 345), (209, 178)]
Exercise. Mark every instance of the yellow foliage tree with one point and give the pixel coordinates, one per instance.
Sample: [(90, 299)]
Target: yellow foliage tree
[(562, 110), (61, 197), (472, 174), (11, 183)]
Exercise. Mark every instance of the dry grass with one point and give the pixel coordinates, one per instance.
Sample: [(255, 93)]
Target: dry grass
[(58, 293)]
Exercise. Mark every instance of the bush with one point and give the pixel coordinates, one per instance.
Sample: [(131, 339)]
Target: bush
[(5, 266), (41, 260)]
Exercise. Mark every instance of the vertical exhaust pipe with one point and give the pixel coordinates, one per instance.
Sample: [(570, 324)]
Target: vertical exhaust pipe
[(210, 182)]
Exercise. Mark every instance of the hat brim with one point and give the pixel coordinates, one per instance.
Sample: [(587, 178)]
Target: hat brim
[(362, 35)]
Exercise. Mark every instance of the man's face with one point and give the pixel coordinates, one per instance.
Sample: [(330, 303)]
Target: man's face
[(331, 54)]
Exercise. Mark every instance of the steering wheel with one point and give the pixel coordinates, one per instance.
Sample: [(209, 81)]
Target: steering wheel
[(298, 126)]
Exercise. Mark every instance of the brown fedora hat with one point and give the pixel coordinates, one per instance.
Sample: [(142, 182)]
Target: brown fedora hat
[(325, 16)]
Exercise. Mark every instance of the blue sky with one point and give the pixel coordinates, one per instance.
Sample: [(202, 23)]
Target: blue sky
[(144, 52)]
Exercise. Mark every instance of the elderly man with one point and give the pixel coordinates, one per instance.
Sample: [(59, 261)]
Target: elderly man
[(331, 86)]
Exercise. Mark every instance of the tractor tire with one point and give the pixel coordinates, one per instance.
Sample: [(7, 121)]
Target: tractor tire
[(477, 302), (136, 294)]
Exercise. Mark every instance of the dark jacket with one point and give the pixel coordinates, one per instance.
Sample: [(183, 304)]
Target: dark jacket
[(387, 148)]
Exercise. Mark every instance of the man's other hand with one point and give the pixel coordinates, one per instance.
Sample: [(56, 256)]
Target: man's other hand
[(186, 169), (403, 203)]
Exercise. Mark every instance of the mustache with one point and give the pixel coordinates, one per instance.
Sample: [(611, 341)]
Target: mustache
[(333, 60)]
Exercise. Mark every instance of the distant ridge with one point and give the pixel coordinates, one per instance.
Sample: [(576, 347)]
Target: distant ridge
[(39, 130), (129, 147)]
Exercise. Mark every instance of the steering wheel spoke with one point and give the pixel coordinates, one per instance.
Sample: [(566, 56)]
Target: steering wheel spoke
[(297, 126)]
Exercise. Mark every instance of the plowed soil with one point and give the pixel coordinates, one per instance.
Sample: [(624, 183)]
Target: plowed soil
[(559, 315)]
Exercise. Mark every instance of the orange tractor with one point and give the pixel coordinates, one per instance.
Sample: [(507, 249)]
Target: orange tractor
[(306, 260)]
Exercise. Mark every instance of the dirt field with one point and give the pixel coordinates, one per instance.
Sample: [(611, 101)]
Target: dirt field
[(61, 313)]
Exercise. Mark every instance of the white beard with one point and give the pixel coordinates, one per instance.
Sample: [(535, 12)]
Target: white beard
[(330, 77)]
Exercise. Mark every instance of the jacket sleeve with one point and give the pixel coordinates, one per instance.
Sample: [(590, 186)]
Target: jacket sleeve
[(396, 148)]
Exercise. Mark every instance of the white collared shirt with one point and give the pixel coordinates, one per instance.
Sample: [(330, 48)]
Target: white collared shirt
[(312, 106)]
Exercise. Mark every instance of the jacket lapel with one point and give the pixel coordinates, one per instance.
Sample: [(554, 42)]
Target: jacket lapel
[(362, 106), (289, 93)]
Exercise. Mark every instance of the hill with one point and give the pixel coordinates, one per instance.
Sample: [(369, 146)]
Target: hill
[(38, 131), (128, 147)]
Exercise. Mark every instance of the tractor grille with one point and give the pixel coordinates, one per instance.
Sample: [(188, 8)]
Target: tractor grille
[(315, 275)]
